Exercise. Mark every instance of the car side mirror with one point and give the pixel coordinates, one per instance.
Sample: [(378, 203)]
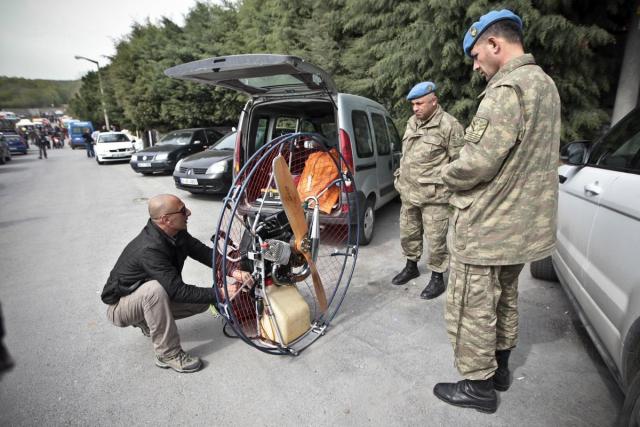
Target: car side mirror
[(197, 142), (133, 140), (575, 153)]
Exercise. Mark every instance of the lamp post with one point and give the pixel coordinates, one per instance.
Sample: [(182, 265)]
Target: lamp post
[(104, 108)]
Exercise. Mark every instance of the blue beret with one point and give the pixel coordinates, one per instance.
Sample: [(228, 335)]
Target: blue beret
[(477, 28), (421, 89)]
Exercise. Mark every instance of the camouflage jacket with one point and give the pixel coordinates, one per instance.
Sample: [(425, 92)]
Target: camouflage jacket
[(426, 147), (505, 181)]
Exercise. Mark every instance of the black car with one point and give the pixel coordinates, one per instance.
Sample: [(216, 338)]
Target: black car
[(163, 156), (209, 171)]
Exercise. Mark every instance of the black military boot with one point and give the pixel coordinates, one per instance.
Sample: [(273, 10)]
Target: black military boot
[(502, 376), (410, 271), (476, 394), (435, 287)]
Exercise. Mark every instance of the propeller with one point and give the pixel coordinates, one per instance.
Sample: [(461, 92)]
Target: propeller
[(293, 209)]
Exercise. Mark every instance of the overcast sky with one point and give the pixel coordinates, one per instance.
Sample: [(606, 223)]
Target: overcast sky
[(39, 38)]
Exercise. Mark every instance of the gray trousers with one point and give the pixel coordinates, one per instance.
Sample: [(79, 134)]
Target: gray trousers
[(151, 303)]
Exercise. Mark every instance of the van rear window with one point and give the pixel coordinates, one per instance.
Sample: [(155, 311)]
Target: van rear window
[(361, 133)]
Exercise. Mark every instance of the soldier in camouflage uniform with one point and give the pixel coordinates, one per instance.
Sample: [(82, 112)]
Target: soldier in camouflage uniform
[(505, 192), (432, 139)]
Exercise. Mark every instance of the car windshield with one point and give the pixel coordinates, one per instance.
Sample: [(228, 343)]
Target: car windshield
[(113, 137), (227, 142), (176, 138), (80, 130)]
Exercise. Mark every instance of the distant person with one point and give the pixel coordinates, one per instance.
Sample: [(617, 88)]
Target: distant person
[(145, 288), (88, 143), (41, 141), (6, 362)]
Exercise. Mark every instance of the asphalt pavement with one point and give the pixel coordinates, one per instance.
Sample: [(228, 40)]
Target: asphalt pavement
[(64, 222)]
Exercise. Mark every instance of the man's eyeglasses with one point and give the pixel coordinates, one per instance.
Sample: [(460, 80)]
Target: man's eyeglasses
[(182, 211)]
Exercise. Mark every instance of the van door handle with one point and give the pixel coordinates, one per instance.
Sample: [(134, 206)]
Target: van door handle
[(592, 189)]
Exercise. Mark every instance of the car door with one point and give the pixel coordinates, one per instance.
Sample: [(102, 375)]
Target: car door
[(384, 155), (611, 278), (197, 143)]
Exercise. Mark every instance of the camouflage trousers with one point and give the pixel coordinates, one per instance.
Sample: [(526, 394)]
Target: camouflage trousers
[(481, 314), (430, 221)]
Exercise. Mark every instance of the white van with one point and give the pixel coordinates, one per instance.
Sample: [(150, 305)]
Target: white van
[(290, 95)]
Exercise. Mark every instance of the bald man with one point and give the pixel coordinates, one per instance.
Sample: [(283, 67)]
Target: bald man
[(145, 288)]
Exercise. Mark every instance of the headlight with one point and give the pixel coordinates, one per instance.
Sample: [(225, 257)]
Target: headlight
[(178, 165), (217, 167), (162, 156)]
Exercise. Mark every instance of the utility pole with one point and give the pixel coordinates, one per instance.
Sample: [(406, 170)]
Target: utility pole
[(104, 108)]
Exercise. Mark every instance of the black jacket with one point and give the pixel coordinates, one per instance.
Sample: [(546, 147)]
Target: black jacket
[(153, 255)]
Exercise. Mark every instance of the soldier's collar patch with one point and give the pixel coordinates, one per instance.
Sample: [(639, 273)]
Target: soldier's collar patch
[(476, 129)]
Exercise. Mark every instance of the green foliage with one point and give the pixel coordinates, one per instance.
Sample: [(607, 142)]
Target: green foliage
[(374, 48), (25, 93)]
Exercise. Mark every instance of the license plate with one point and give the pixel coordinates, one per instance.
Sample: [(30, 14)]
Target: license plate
[(189, 181), (144, 164)]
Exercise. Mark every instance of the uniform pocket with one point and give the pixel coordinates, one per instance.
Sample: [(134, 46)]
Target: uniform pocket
[(460, 228), (479, 289)]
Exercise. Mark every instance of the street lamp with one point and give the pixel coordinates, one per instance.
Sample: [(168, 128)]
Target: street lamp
[(104, 108)]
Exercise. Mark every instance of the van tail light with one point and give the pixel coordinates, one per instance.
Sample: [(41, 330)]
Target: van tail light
[(237, 154), (347, 154)]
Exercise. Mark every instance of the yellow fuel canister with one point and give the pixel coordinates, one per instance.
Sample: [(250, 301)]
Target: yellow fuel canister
[(289, 310)]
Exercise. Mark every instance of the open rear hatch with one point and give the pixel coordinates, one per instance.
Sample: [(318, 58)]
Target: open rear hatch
[(258, 75)]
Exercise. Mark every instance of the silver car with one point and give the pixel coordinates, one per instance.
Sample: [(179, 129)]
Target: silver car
[(598, 246)]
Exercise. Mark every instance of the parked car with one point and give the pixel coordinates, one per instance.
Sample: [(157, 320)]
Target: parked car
[(163, 156), (598, 247), (209, 171), (113, 147), (17, 144), (289, 95), (5, 152)]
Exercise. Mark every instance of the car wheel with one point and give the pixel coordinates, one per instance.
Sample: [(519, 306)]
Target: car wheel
[(367, 223), (543, 270), (630, 413)]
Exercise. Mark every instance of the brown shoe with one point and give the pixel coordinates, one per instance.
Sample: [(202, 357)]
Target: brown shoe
[(181, 362)]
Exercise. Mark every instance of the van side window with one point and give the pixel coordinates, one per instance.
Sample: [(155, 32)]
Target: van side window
[(380, 133), (361, 133), (261, 132), (393, 136), (307, 126), (284, 125), (620, 148)]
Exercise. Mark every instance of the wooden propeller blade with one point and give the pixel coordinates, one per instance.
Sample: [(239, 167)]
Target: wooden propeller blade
[(293, 209), (290, 200)]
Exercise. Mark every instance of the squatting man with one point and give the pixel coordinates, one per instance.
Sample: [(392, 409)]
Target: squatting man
[(145, 288)]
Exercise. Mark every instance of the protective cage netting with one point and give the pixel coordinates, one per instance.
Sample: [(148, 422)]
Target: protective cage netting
[(280, 312)]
